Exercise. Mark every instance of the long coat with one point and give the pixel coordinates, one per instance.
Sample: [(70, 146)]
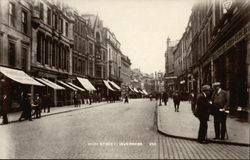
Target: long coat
[(203, 107)]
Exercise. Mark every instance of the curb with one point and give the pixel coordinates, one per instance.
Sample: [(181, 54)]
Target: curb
[(71, 110), (193, 139)]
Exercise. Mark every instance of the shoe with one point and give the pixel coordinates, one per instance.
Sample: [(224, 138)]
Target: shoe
[(222, 139), (216, 138), (203, 141)]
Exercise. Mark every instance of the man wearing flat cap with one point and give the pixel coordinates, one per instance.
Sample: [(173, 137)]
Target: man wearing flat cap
[(202, 112), (220, 103)]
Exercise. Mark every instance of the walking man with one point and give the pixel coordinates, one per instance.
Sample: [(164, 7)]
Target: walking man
[(220, 102), (176, 98), (165, 98), (202, 113), (126, 98)]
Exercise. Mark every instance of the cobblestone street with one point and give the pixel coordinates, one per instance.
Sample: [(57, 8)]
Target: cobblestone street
[(114, 130)]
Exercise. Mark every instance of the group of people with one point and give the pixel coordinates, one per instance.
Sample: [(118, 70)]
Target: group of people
[(33, 107), (213, 102)]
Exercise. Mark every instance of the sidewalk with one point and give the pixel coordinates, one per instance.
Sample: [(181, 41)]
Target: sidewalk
[(13, 117), (184, 124)]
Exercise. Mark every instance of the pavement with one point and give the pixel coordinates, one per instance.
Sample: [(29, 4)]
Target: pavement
[(184, 124), (13, 117)]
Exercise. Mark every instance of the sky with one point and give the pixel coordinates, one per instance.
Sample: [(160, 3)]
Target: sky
[(141, 26)]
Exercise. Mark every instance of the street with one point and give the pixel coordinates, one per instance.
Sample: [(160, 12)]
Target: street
[(115, 130)]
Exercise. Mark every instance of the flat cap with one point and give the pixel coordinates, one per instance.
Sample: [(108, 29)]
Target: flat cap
[(205, 87), (216, 84)]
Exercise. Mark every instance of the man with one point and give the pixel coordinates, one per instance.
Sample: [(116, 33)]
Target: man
[(165, 98), (202, 113), (220, 102), (177, 99)]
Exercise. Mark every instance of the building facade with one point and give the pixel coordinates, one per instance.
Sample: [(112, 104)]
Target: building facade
[(217, 49)]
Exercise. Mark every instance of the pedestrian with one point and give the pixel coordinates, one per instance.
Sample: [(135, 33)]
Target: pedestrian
[(176, 99), (37, 106), (49, 102), (192, 99), (90, 98), (220, 103), (126, 98), (75, 99), (27, 108), (5, 108), (202, 112), (165, 98)]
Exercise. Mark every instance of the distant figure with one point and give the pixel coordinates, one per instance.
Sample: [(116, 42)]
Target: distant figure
[(37, 106), (165, 98), (177, 99), (192, 99), (5, 108), (126, 98), (75, 99), (26, 114)]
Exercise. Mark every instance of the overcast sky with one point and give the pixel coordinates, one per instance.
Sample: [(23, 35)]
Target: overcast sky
[(141, 26)]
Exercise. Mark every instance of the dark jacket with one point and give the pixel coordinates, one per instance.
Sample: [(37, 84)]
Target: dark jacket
[(220, 100), (176, 98), (203, 107)]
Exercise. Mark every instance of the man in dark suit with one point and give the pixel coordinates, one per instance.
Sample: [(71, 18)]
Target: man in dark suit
[(176, 99), (202, 112), (220, 102)]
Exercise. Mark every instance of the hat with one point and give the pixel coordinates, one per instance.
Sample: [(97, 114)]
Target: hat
[(205, 87), (216, 84)]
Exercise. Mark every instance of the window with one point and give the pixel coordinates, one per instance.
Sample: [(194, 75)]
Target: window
[(66, 29), (53, 53), (91, 49), (12, 54), (41, 11), (49, 16), (61, 25), (54, 20), (46, 51), (24, 58), (38, 49), (24, 22), (12, 14)]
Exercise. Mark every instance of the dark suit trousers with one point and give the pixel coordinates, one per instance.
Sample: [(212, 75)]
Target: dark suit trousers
[(202, 130), (220, 124)]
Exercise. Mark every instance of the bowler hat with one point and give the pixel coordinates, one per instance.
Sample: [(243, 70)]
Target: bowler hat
[(205, 87)]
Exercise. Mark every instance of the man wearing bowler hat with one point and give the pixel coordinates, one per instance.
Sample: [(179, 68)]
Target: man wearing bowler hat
[(202, 112), (220, 103)]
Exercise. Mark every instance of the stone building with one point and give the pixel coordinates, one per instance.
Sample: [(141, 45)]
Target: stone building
[(125, 73), (15, 53)]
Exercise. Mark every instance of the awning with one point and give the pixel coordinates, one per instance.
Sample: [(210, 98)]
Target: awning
[(19, 76), (145, 92), (50, 84), (86, 84), (141, 92), (115, 85), (131, 88), (66, 85), (136, 90), (75, 86), (107, 85)]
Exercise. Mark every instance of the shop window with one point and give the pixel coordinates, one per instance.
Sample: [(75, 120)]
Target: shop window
[(24, 22), (12, 14), (12, 54)]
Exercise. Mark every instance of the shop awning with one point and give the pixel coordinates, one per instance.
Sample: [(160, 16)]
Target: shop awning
[(145, 92), (107, 85), (19, 76), (131, 88), (50, 84), (75, 86), (86, 84), (115, 85), (67, 85), (141, 92), (136, 90)]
